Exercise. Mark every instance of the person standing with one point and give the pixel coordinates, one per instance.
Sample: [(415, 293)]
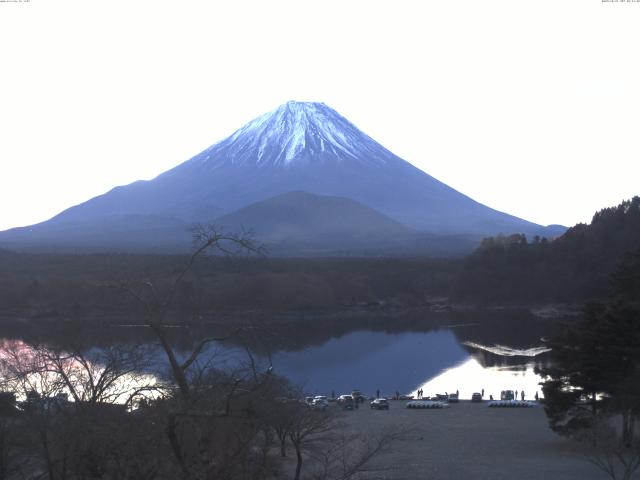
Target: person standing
[(536, 396), (482, 394), (522, 395), (378, 393)]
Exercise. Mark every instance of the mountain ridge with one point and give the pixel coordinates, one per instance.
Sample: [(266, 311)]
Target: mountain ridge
[(299, 146)]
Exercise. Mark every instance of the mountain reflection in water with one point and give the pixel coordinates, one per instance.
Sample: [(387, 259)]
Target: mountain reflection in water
[(403, 362), (467, 358), (470, 377)]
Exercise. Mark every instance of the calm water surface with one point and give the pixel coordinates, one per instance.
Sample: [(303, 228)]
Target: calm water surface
[(435, 361), (465, 359)]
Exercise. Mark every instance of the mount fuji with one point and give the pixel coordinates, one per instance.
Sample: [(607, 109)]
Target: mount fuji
[(248, 178)]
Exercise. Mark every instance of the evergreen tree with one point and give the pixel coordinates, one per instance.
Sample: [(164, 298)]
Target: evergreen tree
[(593, 375)]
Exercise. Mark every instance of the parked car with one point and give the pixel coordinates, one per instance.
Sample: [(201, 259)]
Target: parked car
[(358, 396), (453, 398), (507, 395), (476, 397), (380, 404), (346, 402), (320, 403)]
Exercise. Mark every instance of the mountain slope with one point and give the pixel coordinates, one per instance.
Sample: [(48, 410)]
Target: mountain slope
[(297, 147), (126, 233), (296, 213), (294, 223), (299, 221)]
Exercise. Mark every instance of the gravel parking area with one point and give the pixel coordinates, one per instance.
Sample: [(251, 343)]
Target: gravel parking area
[(471, 441)]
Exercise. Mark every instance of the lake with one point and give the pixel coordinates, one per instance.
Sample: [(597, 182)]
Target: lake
[(491, 354), (436, 361)]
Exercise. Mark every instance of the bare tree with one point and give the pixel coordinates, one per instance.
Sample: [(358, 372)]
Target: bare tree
[(11, 438), (343, 456), (26, 375), (327, 451), (158, 305), (73, 438), (308, 426), (25, 370), (199, 409), (613, 453), (112, 374)]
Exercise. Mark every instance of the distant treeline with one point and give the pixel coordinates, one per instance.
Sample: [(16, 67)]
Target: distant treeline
[(503, 270), (85, 286)]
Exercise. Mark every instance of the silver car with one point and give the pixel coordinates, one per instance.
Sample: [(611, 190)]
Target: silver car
[(380, 404)]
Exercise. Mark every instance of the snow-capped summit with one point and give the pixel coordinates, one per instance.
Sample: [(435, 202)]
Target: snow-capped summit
[(294, 132)]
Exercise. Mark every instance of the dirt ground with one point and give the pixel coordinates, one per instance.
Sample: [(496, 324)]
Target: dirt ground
[(472, 441)]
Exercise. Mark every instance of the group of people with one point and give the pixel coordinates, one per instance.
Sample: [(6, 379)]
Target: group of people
[(420, 394), (513, 395), (522, 395)]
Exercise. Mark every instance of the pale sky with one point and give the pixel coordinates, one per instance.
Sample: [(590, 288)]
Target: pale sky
[(530, 107)]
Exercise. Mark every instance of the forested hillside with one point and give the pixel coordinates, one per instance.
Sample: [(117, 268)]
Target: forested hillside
[(572, 267)]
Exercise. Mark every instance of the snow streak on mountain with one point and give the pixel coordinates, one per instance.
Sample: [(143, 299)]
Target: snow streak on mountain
[(294, 132)]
